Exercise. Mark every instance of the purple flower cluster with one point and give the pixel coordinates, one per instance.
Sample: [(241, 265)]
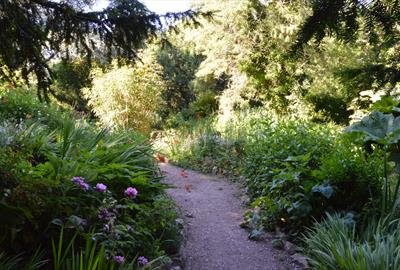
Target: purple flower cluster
[(80, 181), (119, 259), (131, 192), (105, 214), (100, 187), (143, 260)]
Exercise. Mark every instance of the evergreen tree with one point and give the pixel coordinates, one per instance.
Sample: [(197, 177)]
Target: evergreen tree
[(379, 20), (341, 17), (32, 32)]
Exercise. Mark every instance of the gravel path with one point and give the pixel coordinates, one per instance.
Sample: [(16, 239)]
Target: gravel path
[(212, 210)]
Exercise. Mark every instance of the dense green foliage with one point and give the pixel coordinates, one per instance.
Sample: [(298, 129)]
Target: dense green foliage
[(41, 166), (335, 244), (20, 105), (70, 77), (65, 28), (297, 171), (127, 97), (294, 171), (297, 100)]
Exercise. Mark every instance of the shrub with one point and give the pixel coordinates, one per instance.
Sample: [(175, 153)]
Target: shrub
[(127, 97), (49, 177), (295, 170), (280, 159), (22, 105), (354, 175), (335, 244), (205, 104)]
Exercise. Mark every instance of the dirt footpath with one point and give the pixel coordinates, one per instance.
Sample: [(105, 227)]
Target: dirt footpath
[(212, 212)]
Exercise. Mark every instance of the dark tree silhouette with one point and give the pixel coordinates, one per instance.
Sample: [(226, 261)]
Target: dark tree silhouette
[(377, 19), (340, 17), (32, 32)]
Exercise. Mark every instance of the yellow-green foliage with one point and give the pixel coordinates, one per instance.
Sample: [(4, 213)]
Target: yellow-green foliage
[(127, 96)]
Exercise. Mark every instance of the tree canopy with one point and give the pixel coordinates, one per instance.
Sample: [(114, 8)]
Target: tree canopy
[(341, 17), (35, 31), (377, 20)]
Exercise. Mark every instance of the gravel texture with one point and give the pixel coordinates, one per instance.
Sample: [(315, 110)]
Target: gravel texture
[(212, 212)]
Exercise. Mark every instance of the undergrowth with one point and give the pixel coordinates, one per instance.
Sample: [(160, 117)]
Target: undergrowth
[(60, 173), (293, 170)]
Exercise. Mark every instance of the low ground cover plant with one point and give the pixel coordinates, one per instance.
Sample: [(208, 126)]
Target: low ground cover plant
[(336, 243)]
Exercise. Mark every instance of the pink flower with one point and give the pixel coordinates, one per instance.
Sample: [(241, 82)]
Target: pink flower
[(119, 259), (100, 187), (131, 192)]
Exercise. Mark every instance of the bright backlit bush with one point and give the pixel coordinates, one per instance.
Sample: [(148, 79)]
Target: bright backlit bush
[(127, 96)]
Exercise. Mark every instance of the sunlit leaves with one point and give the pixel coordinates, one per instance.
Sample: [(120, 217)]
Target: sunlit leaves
[(126, 96), (378, 127)]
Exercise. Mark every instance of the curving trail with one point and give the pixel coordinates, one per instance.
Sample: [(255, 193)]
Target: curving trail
[(212, 211)]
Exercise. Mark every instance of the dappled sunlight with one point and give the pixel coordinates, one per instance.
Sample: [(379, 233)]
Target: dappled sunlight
[(204, 134)]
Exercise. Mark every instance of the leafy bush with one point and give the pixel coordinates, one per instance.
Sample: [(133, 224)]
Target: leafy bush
[(103, 184), (205, 104), (354, 174), (19, 104), (127, 97), (295, 170)]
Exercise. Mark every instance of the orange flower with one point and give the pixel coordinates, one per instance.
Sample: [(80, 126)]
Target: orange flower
[(161, 158), (188, 187), (184, 174)]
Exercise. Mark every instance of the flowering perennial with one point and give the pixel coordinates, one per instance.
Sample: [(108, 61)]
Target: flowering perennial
[(81, 182), (104, 214), (119, 259), (131, 192), (100, 187), (143, 260)]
